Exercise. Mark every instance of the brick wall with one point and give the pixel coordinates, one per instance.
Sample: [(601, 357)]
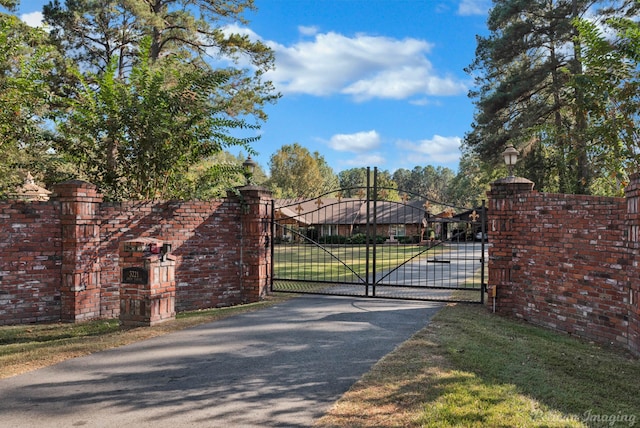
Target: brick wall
[(564, 261), (30, 262), (205, 238), (59, 259)]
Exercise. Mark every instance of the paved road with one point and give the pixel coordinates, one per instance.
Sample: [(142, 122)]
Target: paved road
[(281, 366)]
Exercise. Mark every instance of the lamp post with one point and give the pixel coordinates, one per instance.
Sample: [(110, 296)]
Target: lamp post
[(248, 168), (510, 156)]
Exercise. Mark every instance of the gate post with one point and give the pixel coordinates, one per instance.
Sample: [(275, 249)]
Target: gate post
[(632, 194), (80, 288), (503, 208), (255, 260)]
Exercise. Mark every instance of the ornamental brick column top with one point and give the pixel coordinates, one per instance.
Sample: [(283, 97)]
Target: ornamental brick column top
[(30, 191), (77, 190), (511, 185)]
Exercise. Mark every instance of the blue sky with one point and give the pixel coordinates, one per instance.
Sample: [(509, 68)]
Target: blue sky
[(365, 82)]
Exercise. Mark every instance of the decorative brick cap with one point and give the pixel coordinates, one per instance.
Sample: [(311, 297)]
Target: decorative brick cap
[(510, 186), (514, 180), (73, 189), (141, 245), (255, 190), (30, 191)]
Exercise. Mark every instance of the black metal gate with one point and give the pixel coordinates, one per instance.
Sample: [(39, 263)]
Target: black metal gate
[(379, 242)]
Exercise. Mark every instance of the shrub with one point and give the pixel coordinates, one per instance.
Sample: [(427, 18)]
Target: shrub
[(409, 239), (333, 239), (358, 238)]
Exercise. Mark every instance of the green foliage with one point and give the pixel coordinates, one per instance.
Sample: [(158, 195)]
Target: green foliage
[(27, 64), (9, 4), (426, 182), (156, 89), (297, 173), (359, 238), (565, 95), (523, 71), (351, 181), (332, 239), (94, 32), (611, 84), (215, 175), (137, 139), (468, 188)]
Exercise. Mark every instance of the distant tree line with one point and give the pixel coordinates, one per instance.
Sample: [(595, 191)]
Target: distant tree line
[(297, 173)]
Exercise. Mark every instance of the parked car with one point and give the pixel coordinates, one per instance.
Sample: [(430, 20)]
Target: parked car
[(479, 236)]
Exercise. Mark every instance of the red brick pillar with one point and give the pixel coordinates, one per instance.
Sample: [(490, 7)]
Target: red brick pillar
[(632, 194), (80, 289), (503, 206), (255, 204)]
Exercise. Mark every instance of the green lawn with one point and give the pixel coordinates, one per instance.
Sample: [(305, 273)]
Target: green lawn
[(471, 368), (346, 263)]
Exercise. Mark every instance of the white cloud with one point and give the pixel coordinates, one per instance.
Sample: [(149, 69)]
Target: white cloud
[(32, 19), (358, 142), (403, 83), (363, 66), (236, 29), (438, 149), (364, 160), (308, 31), (473, 7)]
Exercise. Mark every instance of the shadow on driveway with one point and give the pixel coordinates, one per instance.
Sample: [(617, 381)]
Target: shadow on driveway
[(280, 366)]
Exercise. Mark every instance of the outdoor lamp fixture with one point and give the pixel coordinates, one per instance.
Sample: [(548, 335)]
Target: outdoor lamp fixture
[(248, 167), (510, 156)]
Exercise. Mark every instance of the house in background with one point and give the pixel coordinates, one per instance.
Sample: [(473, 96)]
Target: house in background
[(347, 217)]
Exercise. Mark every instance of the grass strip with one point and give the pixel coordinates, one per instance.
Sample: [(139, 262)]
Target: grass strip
[(470, 368), (29, 347)]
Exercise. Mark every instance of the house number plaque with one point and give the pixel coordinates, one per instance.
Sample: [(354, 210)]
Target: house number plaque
[(134, 275)]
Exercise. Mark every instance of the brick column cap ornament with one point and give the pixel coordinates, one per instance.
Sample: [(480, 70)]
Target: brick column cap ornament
[(77, 190), (510, 186), (256, 191), (514, 180), (633, 187)]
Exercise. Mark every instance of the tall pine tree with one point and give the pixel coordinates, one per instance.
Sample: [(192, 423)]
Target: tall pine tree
[(524, 96)]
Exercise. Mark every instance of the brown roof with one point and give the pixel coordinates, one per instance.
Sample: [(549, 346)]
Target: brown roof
[(349, 211)]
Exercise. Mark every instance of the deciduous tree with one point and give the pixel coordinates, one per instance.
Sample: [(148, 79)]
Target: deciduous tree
[(26, 99), (427, 182), (198, 32), (611, 84), (136, 139), (295, 173)]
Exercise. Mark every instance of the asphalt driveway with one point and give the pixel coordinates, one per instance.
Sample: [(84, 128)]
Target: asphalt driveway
[(281, 366)]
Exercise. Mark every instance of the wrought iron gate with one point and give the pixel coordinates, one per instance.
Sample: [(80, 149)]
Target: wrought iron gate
[(379, 242)]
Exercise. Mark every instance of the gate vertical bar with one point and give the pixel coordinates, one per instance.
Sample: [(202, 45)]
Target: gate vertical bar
[(368, 234), (483, 216), (375, 226), (273, 241)]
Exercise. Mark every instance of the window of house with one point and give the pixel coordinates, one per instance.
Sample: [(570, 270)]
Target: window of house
[(329, 229), (397, 229)]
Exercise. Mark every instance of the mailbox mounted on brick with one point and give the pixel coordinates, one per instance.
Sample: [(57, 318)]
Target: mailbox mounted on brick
[(148, 288)]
